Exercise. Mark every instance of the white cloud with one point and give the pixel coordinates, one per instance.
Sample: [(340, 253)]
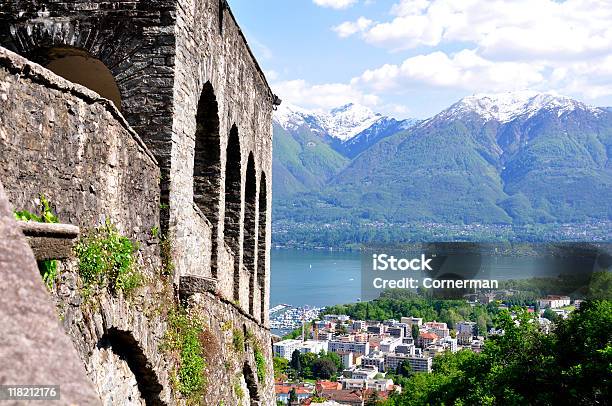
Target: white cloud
[(501, 29), (322, 96), (463, 70), (336, 4), (548, 45), (348, 28)]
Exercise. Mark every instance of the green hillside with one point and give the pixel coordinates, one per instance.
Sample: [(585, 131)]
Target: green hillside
[(533, 173), (303, 161)]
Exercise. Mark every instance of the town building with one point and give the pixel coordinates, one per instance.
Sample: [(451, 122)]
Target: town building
[(554, 301), (417, 363), (349, 346), (285, 348)]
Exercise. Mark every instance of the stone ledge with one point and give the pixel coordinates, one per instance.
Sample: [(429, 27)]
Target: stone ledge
[(191, 284), (36, 73), (49, 240)]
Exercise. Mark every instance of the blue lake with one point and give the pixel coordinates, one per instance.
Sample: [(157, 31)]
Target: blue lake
[(323, 278), (315, 278)]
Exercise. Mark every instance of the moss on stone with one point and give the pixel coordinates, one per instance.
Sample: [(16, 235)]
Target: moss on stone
[(183, 338)]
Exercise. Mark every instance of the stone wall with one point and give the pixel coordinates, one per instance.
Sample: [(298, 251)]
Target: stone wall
[(134, 39), (63, 141), (229, 367), (186, 78), (33, 348), (190, 87), (213, 61)]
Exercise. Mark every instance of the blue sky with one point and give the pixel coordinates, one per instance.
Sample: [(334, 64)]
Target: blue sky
[(413, 58)]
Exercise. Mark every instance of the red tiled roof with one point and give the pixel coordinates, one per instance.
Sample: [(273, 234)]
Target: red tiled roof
[(286, 389), (429, 336), (343, 395), (328, 385)]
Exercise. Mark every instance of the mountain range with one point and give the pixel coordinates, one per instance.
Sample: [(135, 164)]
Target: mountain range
[(517, 159)]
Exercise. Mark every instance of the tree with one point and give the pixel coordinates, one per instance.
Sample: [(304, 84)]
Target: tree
[(324, 368), (296, 362), (415, 332), (280, 367), (550, 315), (404, 369), (307, 360), (334, 357), (374, 399), (293, 399)]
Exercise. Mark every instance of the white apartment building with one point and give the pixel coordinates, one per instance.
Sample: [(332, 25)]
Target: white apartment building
[(389, 344), (417, 363), (363, 372), (313, 346), (347, 359), (349, 346), (377, 360), (449, 343), (285, 348), (381, 385), (440, 329), (554, 301)]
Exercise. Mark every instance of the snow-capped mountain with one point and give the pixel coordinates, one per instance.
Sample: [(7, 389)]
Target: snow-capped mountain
[(349, 129), (506, 107), (510, 158), (342, 123)]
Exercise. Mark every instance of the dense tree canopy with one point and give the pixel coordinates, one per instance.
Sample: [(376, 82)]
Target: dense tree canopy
[(524, 366)]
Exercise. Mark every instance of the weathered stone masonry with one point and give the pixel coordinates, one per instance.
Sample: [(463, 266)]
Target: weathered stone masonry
[(184, 79)]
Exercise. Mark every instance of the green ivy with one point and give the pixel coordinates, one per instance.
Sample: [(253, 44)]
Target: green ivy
[(108, 259), (238, 387), (183, 337), (260, 363), (238, 340)]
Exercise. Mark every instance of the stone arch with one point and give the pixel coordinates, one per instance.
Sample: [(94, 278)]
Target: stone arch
[(78, 66), (251, 383), (87, 41), (248, 249), (126, 347), (233, 202), (207, 164), (261, 243)]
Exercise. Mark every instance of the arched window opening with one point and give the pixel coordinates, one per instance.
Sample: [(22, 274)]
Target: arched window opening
[(249, 378), (261, 243), (207, 164), (250, 194), (233, 193), (124, 344), (80, 67)]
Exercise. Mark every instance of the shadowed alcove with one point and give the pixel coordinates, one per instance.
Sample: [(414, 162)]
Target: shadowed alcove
[(207, 164), (80, 67), (261, 243), (250, 201), (231, 229)]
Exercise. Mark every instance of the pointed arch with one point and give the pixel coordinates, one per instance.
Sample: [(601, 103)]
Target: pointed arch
[(262, 247), (233, 195), (207, 164), (250, 194)]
